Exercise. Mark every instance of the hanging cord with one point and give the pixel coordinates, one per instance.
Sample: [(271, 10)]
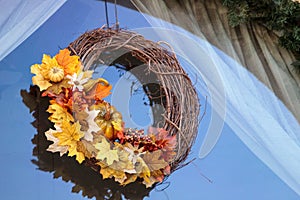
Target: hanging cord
[(116, 15), (106, 13)]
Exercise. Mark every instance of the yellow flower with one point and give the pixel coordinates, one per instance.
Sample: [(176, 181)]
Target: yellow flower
[(70, 136)]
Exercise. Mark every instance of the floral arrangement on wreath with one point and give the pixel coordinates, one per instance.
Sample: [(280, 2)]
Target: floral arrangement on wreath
[(88, 127)]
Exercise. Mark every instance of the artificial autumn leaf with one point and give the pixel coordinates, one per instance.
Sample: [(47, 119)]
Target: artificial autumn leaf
[(123, 164), (73, 151), (148, 182), (130, 179), (87, 148), (105, 152), (93, 127), (58, 87), (100, 90), (90, 84), (156, 176), (164, 141), (59, 114), (151, 167), (69, 136), (39, 79), (81, 116), (71, 64), (109, 172), (64, 98), (118, 169), (154, 160), (55, 147), (36, 69), (162, 138)]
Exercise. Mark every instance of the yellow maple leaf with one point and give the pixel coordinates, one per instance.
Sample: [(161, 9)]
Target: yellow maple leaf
[(80, 157), (120, 169), (71, 64), (39, 79), (105, 152), (69, 136), (109, 172), (59, 113)]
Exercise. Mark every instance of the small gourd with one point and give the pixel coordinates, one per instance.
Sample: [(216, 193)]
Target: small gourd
[(109, 120), (56, 74)]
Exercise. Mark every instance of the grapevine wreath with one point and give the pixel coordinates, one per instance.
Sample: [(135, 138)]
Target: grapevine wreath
[(92, 130)]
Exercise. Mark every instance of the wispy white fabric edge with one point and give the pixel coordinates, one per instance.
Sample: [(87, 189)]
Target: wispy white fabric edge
[(19, 19)]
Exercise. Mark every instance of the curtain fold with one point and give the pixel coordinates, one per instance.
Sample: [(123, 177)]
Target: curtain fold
[(19, 19), (254, 113)]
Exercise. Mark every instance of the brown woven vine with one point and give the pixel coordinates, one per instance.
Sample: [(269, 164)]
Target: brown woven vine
[(164, 81)]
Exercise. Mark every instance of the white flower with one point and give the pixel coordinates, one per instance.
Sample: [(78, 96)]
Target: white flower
[(77, 81)]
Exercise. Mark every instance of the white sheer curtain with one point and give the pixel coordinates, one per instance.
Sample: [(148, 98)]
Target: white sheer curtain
[(252, 111), (20, 18)]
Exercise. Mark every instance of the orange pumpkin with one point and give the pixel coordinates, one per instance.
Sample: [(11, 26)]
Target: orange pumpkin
[(109, 120)]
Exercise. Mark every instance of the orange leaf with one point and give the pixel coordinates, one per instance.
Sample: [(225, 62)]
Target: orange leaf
[(102, 91), (71, 64)]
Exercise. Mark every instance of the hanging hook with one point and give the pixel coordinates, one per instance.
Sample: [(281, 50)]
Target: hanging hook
[(116, 15), (106, 13)]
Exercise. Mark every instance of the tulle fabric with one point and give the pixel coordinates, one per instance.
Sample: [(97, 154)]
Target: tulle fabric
[(19, 19), (237, 98)]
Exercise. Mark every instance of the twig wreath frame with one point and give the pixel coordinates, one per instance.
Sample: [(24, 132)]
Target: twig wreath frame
[(176, 90)]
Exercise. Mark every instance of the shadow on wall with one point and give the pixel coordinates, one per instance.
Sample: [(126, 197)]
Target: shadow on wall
[(85, 179)]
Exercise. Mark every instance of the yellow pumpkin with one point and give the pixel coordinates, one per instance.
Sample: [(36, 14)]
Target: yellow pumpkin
[(109, 120), (56, 74)]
